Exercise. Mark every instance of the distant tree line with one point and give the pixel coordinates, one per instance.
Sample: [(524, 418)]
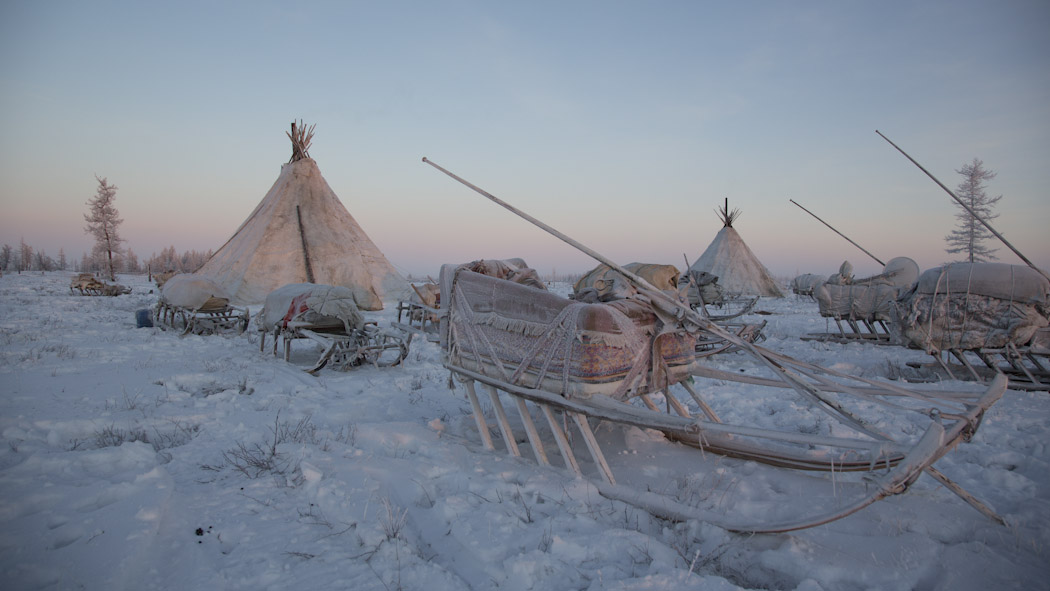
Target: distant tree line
[(26, 258), (108, 256)]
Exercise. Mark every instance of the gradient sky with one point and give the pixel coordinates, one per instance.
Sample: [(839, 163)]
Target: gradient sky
[(622, 124)]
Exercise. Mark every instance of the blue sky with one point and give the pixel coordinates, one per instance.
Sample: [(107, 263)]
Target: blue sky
[(622, 124)]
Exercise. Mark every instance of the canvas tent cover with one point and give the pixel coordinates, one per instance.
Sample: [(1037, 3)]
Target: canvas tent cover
[(738, 270), (301, 232), (194, 292), (970, 306)]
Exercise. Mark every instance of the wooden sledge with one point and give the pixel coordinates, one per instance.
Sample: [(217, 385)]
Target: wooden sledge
[(328, 316), (215, 316), (861, 330), (482, 342), (727, 308), (860, 311), (420, 317), (366, 345), (87, 284), (523, 363), (197, 305)]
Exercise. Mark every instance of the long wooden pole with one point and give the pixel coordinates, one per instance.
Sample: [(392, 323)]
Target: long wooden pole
[(306, 251), (839, 233), (967, 208)]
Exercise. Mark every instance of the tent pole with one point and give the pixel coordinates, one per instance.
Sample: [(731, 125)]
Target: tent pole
[(968, 209), (839, 233), (306, 252)]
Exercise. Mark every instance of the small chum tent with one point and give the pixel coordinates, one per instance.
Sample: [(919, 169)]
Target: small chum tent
[(301, 233), (738, 269)]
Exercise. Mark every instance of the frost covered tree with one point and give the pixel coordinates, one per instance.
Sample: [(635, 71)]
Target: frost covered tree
[(62, 262), (969, 233), (42, 262), (102, 222), (86, 264), (25, 256), (6, 255), (131, 262)]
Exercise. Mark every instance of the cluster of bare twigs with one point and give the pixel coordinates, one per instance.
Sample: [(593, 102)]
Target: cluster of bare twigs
[(301, 137)]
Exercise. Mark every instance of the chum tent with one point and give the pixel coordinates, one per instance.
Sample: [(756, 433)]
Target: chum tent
[(728, 257), (302, 233)]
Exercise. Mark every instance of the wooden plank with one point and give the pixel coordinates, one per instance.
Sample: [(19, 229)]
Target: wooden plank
[(561, 440), (593, 447), (530, 430), (501, 420), (707, 410), (479, 417)]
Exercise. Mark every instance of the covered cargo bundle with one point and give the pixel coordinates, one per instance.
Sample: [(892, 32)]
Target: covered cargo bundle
[(515, 270), (194, 292), (329, 315), (318, 306), (970, 306), (528, 337), (807, 284), (857, 302), (870, 299), (701, 288), (603, 283)]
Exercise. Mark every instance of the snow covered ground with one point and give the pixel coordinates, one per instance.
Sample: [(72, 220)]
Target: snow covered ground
[(135, 458)]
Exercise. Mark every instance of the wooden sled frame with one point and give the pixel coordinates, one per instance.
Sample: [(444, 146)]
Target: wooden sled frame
[(368, 345), (419, 319), (1025, 368), (866, 450), (735, 307), (709, 344), (200, 321), (860, 330), (895, 467)]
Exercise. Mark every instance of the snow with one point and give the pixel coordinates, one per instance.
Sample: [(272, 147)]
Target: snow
[(135, 458)]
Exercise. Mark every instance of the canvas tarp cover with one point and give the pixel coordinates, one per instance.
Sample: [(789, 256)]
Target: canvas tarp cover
[(514, 269), (872, 298), (857, 302), (970, 306), (194, 292), (701, 287), (537, 339), (319, 306), (301, 232), (1015, 283), (807, 284), (603, 283), (899, 271)]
